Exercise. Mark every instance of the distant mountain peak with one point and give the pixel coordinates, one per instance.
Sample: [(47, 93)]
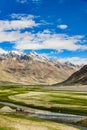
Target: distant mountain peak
[(32, 68), (33, 53), (79, 77)]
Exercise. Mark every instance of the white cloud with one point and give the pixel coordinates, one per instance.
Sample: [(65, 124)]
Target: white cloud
[(17, 52), (63, 26), (10, 36), (16, 24), (25, 1), (40, 40), (2, 51), (46, 40), (36, 0), (22, 1), (74, 60), (10, 29), (19, 16)]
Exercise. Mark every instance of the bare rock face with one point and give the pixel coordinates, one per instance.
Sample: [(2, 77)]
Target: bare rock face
[(79, 77), (33, 69)]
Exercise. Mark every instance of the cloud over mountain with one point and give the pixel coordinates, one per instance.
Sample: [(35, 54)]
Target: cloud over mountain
[(44, 26), (11, 31)]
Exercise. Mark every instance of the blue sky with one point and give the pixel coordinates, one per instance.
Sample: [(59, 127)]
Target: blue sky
[(56, 28)]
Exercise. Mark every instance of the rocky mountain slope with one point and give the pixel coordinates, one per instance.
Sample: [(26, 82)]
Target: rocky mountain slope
[(33, 69), (79, 77)]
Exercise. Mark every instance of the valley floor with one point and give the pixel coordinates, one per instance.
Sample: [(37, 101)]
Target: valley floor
[(78, 88), (18, 122), (42, 98)]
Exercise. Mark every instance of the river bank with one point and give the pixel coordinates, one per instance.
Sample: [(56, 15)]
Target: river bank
[(46, 115)]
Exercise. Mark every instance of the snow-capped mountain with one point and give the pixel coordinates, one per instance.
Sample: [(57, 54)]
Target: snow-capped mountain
[(33, 68)]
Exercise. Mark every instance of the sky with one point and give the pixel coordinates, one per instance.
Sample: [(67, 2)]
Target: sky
[(55, 28)]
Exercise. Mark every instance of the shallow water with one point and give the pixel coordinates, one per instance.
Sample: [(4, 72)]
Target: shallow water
[(58, 116), (42, 114)]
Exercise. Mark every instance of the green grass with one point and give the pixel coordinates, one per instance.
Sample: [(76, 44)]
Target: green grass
[(56, 101), (1, 105), (9, 121), (22, 116), (82, 123), (5, 128)]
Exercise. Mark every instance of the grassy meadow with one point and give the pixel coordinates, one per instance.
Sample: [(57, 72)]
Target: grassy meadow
[(19, 122), (38, 97)]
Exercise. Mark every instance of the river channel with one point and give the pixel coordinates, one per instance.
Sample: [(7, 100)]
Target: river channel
[(42, 114)]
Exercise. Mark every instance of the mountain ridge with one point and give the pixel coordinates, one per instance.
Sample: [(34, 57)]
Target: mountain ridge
[(32, 68), (79, 77)]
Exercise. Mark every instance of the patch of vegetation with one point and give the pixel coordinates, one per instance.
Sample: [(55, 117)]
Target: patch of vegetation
[(55, 101), (64, 102), (82, 123), (9, 121), (1, 105), (22, 116), (5, 128)]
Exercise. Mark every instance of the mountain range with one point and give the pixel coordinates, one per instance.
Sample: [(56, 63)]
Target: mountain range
[(33, 68), (79, 77)]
